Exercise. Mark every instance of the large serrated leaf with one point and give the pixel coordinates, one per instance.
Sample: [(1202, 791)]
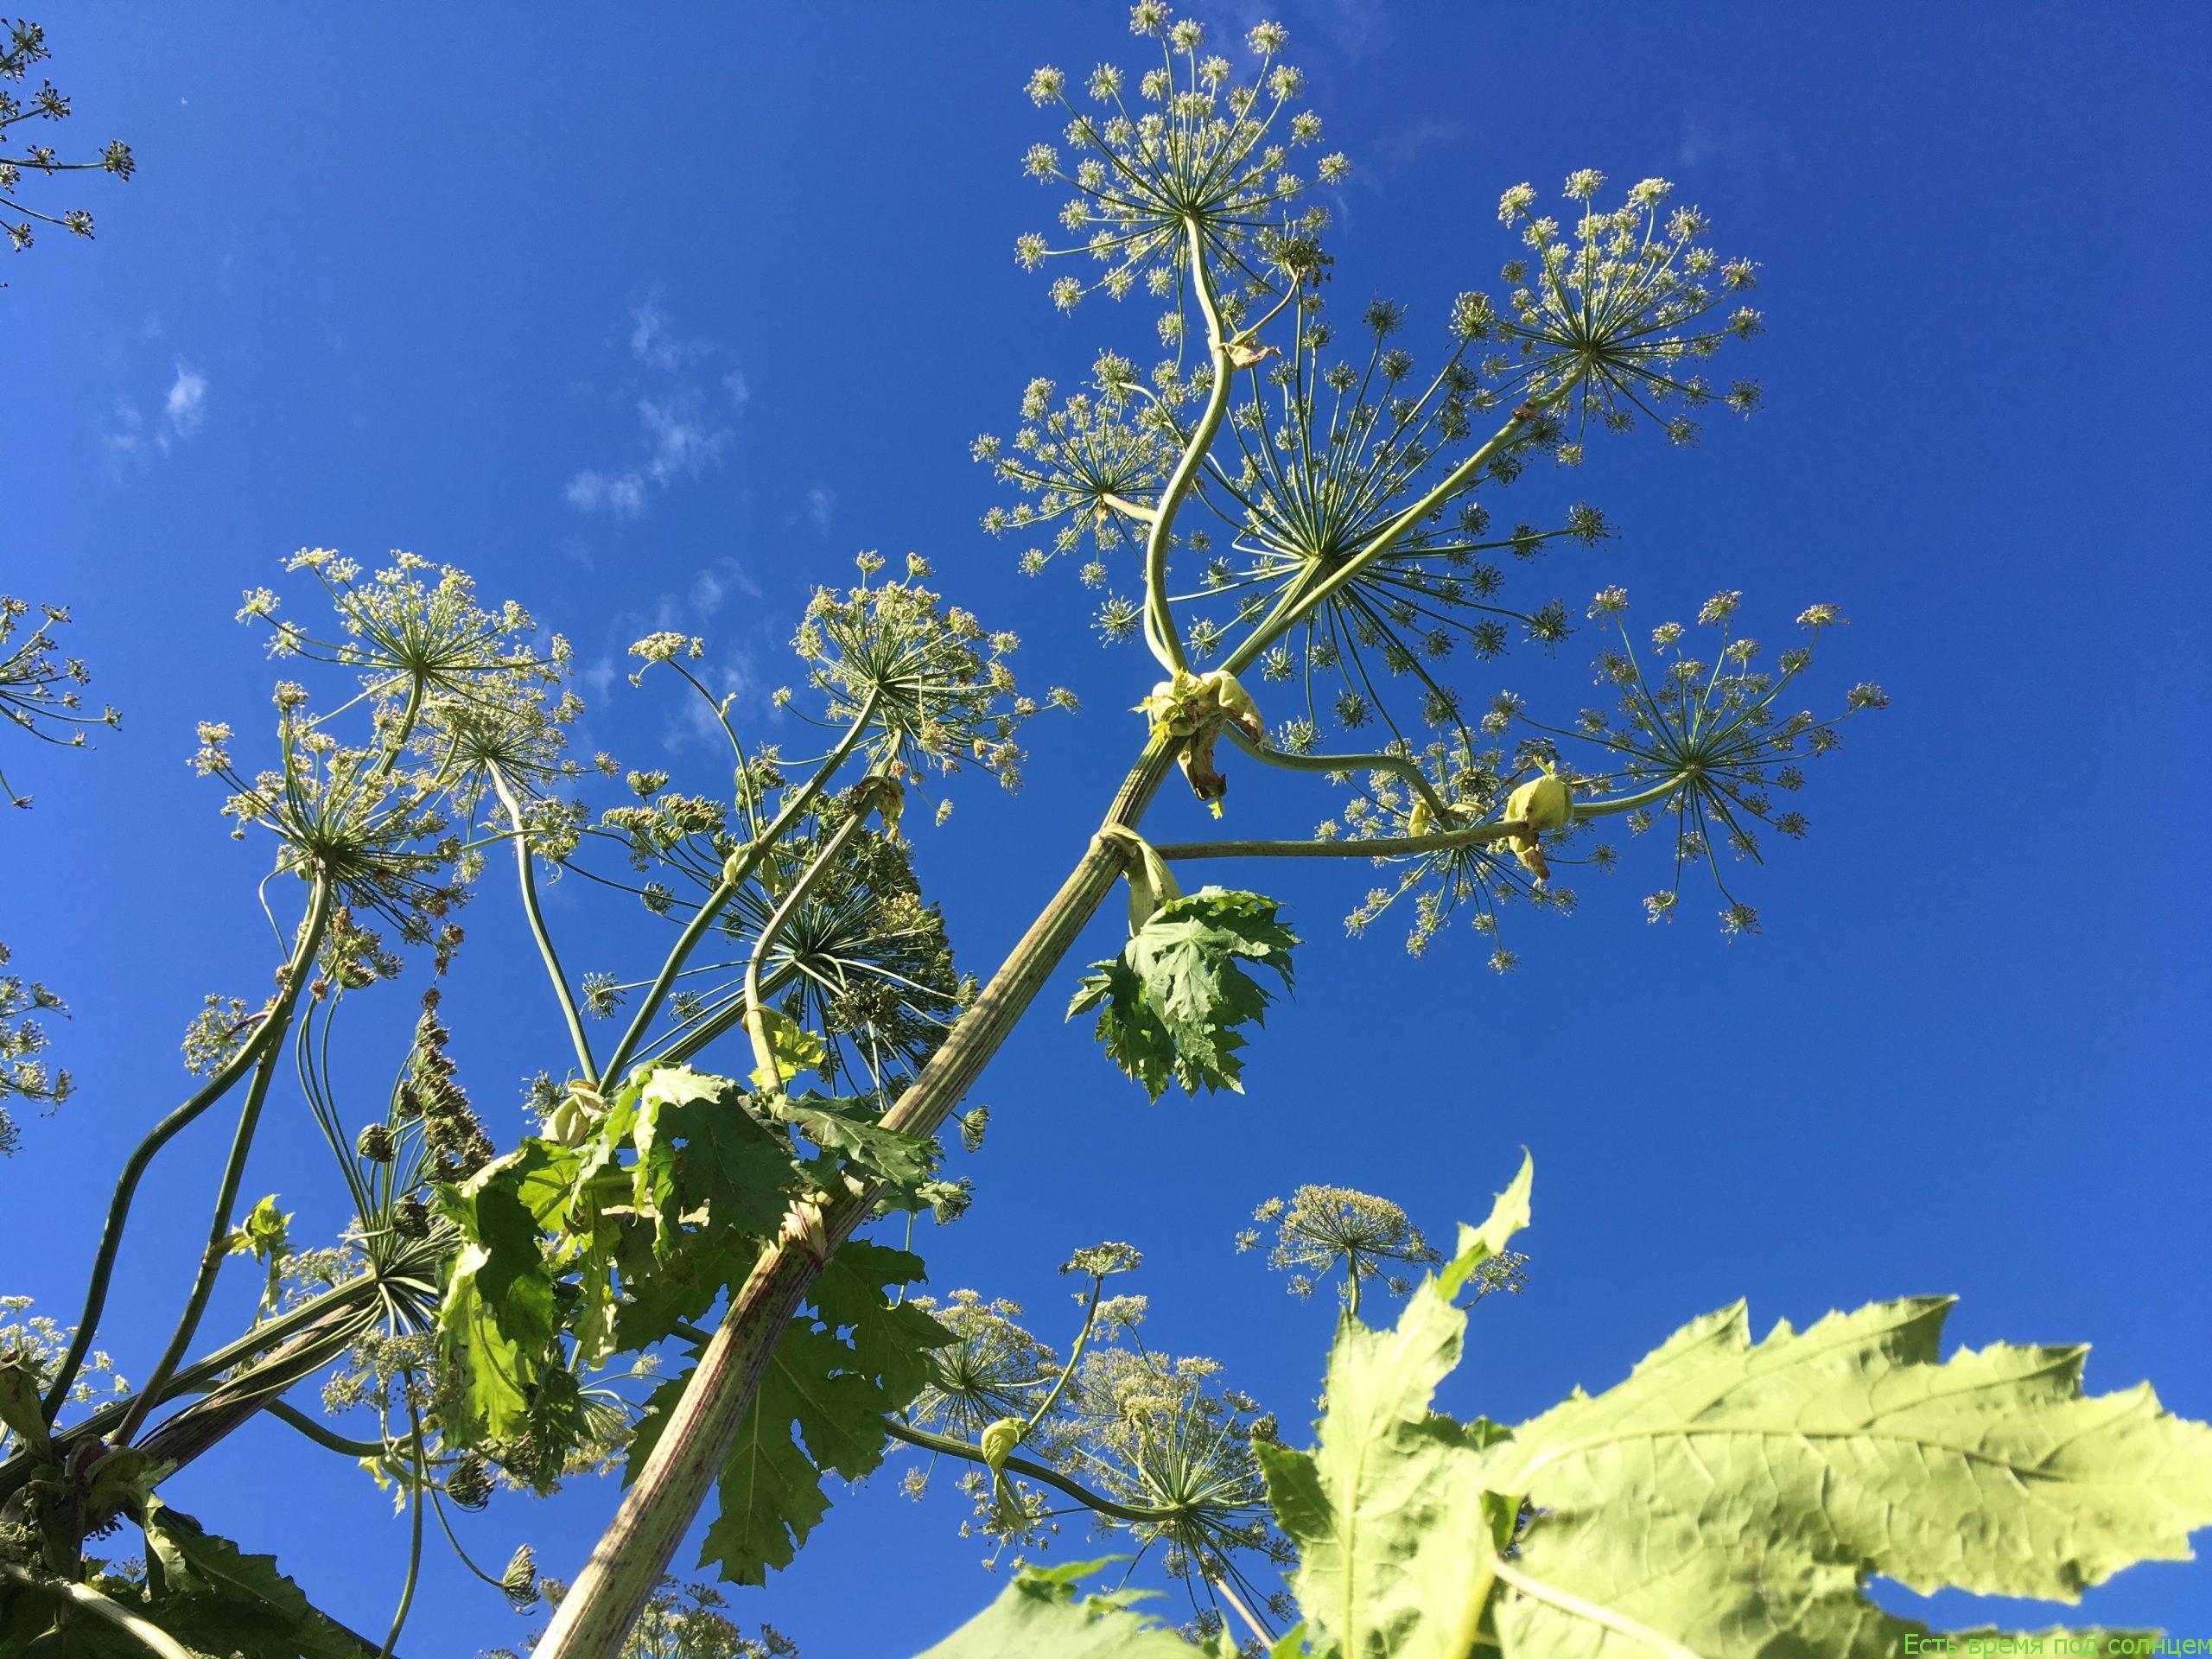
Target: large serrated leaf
[(1730, 1500), (1831, 1456), (820, 1409)]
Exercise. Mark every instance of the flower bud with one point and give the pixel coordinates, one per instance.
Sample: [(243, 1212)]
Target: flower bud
[(999, 1440), (469, 1483), (410, 1217), (734, 865), (1542, 803), (374, 1143)]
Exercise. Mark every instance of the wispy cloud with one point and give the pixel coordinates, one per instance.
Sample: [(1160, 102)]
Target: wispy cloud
[(186, 408), (728, 670), (132, 436), (1748, 146), (685, 412), (821, 507)]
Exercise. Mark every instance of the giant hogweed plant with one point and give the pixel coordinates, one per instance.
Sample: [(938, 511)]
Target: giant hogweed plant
[(702, 1270)]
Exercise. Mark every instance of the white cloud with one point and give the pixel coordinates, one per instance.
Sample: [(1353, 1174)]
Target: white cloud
[(713, 585), (821, 505), (131, 437), (187, 405), (681, 432)]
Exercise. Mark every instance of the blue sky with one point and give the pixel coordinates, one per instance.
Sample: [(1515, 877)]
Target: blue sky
[(653, 319)]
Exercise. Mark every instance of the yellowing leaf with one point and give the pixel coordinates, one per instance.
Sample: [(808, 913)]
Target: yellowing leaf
[(796, 1048)]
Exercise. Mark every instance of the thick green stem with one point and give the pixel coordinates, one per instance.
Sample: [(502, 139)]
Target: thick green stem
[(1656, 793), (1373, 847), (681, 1468), (526, 876), (734, 877), (415, 1536), (1167, 645), (265, 1040)]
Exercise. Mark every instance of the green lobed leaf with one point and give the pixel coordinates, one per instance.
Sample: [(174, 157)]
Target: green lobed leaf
[(848, 1130), (1832, 1455), (820, 1409), (1040, 1616), (1388, 1510), (498, 1320), (1730, 1499), (1169, 1005)]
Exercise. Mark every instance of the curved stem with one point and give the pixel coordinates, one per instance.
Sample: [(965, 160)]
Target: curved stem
[(732, 879), (526, 877), (1060, 1382), (248, 1057), (210, 1258), (1397, 766), (323, 1435), (1160, 537), (415, 1538), (1042, 1473)]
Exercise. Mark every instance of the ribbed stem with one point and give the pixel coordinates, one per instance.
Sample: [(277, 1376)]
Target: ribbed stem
[(668, 1489)]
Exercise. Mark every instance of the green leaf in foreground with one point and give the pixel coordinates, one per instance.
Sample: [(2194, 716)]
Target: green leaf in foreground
[(1731, 1498), (214, 1597), (833, 1378), (1168, 1006), (1040, 1615), (1388, 1511)]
